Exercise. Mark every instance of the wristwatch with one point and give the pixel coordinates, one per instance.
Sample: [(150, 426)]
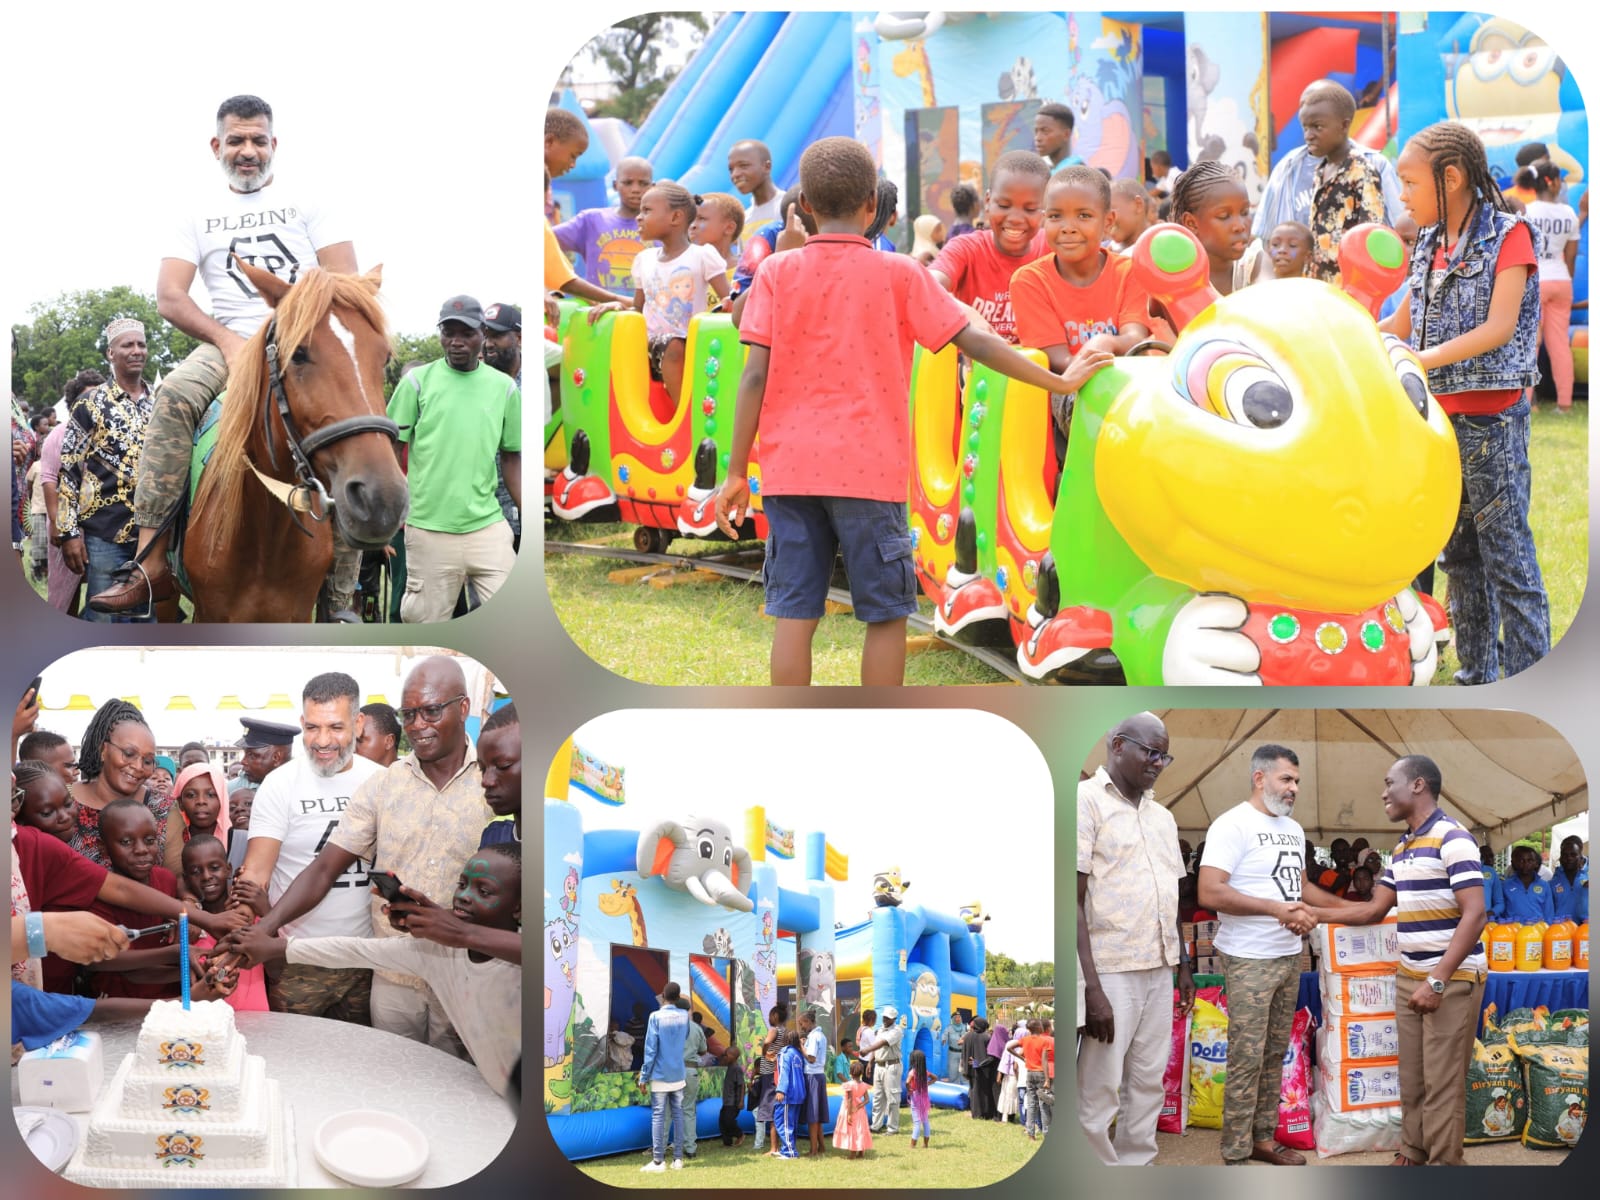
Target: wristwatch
[(1437, 985)]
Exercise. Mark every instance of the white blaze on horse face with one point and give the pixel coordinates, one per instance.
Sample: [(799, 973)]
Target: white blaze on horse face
[(348, 340)]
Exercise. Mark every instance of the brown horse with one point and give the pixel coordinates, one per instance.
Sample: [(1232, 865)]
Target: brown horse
[(304, 448)]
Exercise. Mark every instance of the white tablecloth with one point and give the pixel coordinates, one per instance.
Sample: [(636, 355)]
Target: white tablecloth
[(325, 1067)]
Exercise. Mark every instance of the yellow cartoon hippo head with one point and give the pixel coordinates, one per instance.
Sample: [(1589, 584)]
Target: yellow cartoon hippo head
[(1286, 452)]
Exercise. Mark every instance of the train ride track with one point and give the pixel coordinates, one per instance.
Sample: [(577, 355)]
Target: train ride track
[(745, 565)]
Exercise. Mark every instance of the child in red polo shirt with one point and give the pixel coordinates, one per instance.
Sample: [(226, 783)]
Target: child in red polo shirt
[(830, 330)]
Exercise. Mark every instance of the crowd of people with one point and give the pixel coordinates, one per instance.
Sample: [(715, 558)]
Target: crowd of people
[(103, 469), (1039, 260), (274, 867), (1007, 1066), (1254, 873)]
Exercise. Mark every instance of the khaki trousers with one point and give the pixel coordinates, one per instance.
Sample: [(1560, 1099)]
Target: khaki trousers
[(1127, 1073), (1435, 1049), (439, 565)]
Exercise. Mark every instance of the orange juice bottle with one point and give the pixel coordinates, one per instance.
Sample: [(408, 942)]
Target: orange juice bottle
[(1502, 941), (1580, 948), (1530, 947), (1558, 945)]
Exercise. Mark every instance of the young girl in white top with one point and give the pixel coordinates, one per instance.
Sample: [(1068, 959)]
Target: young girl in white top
[(672, 279), (1559, 224)]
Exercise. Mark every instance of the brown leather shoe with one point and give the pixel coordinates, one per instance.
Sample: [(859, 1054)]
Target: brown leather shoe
[(133, 592)]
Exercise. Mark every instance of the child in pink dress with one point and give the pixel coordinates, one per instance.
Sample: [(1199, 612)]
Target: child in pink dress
[(853, 1131), (917, 1093)]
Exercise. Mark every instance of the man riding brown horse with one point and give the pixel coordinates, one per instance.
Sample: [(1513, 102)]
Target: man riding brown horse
[(282, 233)]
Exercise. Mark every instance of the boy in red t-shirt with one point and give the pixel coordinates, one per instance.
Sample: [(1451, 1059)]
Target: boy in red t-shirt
[(148, 969), (977, 267), (830, 330), (1082, 297)]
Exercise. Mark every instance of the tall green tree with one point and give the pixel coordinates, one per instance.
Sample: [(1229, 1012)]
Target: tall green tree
[(63, 338), (631, 50)]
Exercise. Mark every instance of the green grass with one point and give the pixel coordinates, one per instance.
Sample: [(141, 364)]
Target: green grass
[(964, 1153), (703, 633), (714, 634), (1558, 448)]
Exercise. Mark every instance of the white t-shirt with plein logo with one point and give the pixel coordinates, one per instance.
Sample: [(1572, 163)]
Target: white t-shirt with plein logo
[(273, 229), (1265, 858), (300, 809)]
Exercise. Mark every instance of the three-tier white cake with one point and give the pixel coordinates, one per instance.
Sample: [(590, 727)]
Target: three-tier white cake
[(188, 1108)]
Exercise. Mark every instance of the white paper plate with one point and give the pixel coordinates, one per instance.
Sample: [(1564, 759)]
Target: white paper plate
[(54, 1139), (371, 1148)]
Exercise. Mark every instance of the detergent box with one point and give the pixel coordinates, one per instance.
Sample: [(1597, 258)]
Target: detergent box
[(1358, 949)]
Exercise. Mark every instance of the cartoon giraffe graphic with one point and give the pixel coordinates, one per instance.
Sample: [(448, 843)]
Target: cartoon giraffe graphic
[(913, 60), (623, 901)]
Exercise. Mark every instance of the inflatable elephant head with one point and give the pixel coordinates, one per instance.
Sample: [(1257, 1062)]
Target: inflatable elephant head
[(698, 856)]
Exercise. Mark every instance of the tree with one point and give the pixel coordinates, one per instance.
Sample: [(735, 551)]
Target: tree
[(410, 348), (64, 338), (631, 51)]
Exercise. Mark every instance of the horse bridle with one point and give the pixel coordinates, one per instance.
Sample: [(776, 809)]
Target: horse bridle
[(302, 448)]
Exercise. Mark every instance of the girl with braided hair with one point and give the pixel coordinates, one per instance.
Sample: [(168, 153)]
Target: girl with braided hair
[(1471, 312), (40, 798), (1212, 202), (116, 759)]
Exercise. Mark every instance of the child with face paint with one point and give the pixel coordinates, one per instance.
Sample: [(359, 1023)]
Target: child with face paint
[(470, 954)]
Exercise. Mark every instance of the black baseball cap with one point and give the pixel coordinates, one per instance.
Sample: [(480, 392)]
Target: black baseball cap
[(464, 309), (503, 318)]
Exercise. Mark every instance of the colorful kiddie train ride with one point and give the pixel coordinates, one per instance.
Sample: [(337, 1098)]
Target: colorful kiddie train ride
[(626, 911), (1250, 507)]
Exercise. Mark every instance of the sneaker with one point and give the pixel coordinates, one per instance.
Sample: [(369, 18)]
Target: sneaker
[(677, 1164), (653, 1166)]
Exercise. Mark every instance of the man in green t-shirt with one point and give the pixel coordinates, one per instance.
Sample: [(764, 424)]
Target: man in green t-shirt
[(459, 416)]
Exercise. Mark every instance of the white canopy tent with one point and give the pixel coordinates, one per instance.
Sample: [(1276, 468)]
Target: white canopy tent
[(1506, 774), (198, 693)]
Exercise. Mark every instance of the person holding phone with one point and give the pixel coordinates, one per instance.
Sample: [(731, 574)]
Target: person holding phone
[(420, 819)]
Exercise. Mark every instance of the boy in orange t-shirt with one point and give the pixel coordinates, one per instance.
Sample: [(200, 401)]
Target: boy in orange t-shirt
[(1083, 297), (830, 329)]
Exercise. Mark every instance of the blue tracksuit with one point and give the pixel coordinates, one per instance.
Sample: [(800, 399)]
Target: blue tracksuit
[(1571, 899), (791, 1081), (1528, 903)]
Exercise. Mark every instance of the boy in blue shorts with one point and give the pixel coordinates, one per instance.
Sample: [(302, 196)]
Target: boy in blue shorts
[(830, 329)]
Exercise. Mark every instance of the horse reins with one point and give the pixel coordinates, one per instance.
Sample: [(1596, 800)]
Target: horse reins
[(315, 500)]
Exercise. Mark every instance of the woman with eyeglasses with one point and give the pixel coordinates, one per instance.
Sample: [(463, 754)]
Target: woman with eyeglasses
[(115, 761)]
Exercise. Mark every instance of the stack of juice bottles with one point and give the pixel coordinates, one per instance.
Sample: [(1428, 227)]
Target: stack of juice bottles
[(1561, 945)]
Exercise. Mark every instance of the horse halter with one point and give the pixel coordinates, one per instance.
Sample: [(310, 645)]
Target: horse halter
[(302, 448)]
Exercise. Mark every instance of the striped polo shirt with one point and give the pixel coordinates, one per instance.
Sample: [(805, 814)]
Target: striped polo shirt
[(1431, 865)]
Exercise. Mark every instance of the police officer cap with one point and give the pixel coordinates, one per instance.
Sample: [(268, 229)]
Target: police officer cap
[(266, 733)]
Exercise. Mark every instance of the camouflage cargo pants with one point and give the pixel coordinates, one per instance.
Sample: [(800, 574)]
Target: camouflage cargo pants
[(180, 402), (1261, 997), (338, 993)]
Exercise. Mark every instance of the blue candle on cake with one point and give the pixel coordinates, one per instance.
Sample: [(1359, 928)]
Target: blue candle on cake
[(183, 956)]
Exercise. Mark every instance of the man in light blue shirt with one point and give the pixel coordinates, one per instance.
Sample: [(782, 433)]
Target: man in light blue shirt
[(814, 1045), (662, 1075), (1527, 897), (1494, 892), (1569, 885)]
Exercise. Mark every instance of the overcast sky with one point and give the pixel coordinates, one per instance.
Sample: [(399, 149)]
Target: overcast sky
[(960, 801), (412, 120)]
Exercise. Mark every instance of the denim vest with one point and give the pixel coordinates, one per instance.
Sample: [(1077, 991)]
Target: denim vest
[(1461, 303)]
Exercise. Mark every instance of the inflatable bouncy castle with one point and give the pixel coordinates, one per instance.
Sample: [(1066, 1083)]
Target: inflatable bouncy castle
[(695, 901)]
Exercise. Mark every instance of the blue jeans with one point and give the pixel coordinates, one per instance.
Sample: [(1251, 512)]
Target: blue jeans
[(103, 560), (665, 1128), (1494, 574)]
